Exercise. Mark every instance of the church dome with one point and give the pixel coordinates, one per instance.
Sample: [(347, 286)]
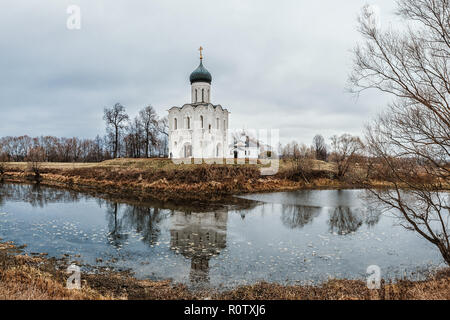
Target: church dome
[(200, 74)]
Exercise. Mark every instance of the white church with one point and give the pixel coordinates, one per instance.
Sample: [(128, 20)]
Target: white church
[(200, 129)]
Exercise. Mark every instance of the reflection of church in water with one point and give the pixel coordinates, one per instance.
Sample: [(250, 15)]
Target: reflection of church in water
[(198, 237)]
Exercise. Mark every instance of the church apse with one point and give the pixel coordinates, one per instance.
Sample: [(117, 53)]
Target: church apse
[(198, 237)]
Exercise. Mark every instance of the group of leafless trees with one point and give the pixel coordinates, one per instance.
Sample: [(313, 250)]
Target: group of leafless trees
[(146, 135), (345, 151), (317, 150), (49, 148)]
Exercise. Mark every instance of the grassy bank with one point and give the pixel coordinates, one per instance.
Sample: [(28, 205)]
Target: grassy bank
[(37, 277), (162, 179)]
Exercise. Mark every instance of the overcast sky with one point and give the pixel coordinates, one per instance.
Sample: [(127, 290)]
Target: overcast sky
[(275, 64)]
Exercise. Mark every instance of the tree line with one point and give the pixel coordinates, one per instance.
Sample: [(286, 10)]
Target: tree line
[(146, 135), (344, 150)]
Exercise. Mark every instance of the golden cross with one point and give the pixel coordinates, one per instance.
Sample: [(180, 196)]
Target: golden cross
[(200, 49)]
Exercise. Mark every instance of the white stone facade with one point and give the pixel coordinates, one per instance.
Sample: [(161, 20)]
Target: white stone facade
[(199, 129)]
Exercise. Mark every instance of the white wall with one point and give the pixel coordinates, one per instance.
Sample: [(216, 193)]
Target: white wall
[(204, 140)]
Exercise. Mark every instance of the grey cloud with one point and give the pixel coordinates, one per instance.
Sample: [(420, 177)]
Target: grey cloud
[(277, 64)]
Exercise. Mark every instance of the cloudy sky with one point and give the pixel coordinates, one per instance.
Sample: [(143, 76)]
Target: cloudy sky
[(275, 64)]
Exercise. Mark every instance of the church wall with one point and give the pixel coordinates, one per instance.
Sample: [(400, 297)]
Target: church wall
[(204, 141)]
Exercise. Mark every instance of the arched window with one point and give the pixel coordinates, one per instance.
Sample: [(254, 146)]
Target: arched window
[(175, 124), (224, 124), (203, 95), (201, 121), (188, 122), (218, 123), (196, 95)]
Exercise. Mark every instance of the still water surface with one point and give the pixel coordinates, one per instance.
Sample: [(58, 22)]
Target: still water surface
[(287, 237)]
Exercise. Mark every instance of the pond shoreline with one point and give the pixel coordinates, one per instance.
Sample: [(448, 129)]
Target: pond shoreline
[(199, 193), (160, 179), (25, 276), (38, 277)]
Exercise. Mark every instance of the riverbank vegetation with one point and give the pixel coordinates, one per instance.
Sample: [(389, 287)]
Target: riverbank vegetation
[(162, 179)]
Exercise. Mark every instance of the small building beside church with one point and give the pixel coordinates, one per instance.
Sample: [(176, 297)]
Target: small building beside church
[(198, 129)]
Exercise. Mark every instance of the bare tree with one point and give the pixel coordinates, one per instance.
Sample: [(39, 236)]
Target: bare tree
[(150, 125), (345, 150), (300, 156), (320, 148), (35, 157), (409, 143), (135, 139), (115, 119), (163, 126), (3, 159)]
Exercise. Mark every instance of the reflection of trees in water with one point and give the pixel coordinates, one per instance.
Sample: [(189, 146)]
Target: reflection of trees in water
[(345, 220), (298, 216), (116, 226), (122, 219), (146, 221), (372, 216), (243, 206), (36, 195), (199, 237)]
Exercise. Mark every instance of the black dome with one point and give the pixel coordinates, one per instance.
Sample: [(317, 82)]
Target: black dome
[(200, 74)]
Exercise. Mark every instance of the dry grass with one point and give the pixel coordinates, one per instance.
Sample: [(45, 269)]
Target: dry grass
[(162, 179), (23, 277), (34, 278), (30, 283), (37, 278), (435, 288), (149, 164)]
